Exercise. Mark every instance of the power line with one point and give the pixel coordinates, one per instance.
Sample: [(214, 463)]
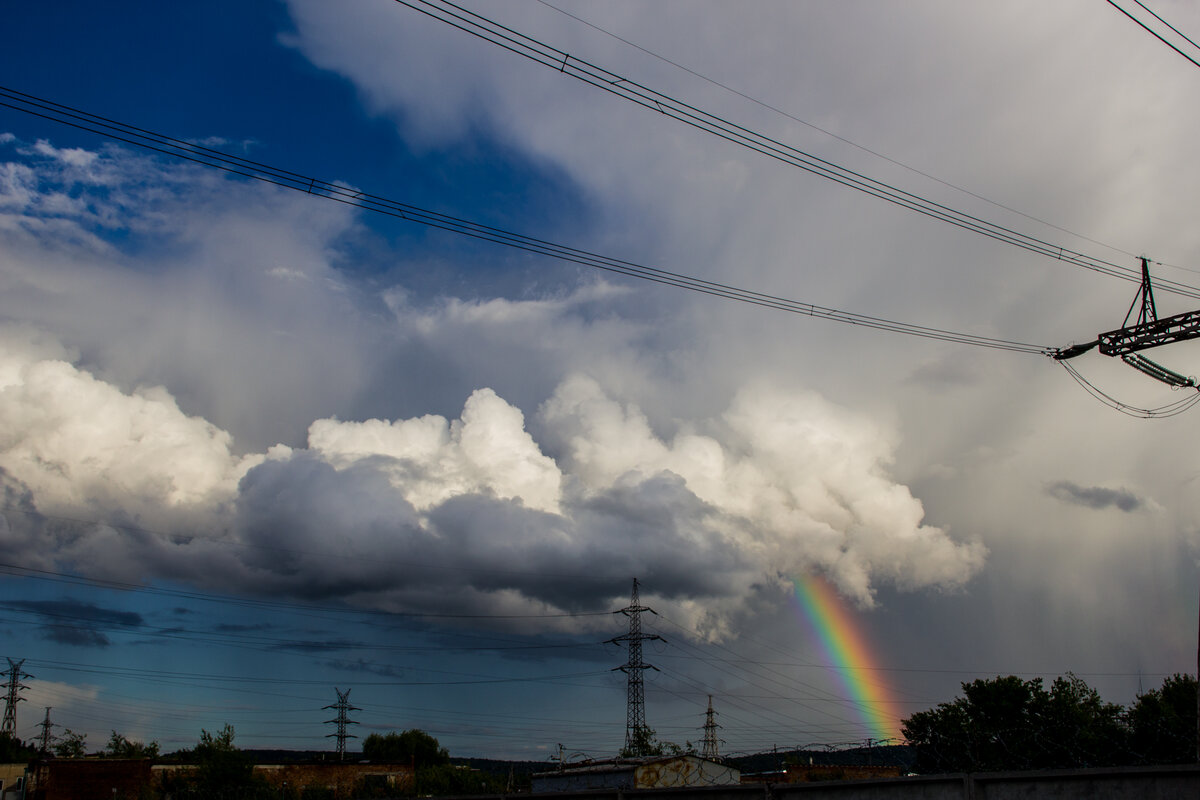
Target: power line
[(337, 192), (535, 50), (66, 577), (1155, 33), (1168, 410), (833, 135)]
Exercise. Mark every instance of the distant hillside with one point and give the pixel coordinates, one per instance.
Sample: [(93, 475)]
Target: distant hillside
[(889, 756)]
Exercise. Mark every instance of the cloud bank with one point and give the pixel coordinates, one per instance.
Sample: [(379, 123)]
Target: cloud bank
[(469, 514)]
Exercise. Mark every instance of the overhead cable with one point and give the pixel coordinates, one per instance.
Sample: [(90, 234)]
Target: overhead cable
[(281, 605), (341, 193), (1168, 410), (601, 78), (1155, 33), (882, 156)]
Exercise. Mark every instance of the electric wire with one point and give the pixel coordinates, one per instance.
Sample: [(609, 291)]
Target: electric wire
[(337, 192), (1155, 33), (539, 52), (90, 623), (844, 140), (1178, 32), (66, 577), (774, 676), (1161, 412)]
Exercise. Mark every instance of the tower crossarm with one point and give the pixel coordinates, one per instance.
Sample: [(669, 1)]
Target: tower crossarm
[(1166, 330)]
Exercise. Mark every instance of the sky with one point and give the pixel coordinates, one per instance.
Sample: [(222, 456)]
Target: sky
[(256, 445)]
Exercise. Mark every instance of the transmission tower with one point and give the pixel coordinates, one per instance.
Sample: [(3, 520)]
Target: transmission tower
[(343, 707), (13, 696), (46, 737), (709, 749), (637, 735), (1146, 332)]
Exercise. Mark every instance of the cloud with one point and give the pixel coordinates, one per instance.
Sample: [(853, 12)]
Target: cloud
[(76, 623), (1096, 497), (471, 515), (486, 451), (59, 695), (382, 670)]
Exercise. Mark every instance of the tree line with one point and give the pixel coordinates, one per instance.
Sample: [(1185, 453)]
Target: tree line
[(219, 769), (1006, 723)]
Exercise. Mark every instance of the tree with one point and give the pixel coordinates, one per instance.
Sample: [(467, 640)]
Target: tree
[(221, 768), (1162, 723), (14, 751), (1006, 723), (413, 746), (1078, 729), (448, 779), (120, 747), (646, 743), (71, 745)]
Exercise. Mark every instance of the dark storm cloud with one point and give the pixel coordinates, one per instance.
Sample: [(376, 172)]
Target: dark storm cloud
[(75, 636), (74, 623), (58, 610), (290, 509), (1095, 497)]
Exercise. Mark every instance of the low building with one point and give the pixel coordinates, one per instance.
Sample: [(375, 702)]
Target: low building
[(340, 779), (84, 778), (12, 781), (130, 779), (657, 772)]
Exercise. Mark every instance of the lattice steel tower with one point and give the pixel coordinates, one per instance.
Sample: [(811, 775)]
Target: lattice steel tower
[(637, 735), (343, 708), (13, 696), (47, 737), (709, 749)]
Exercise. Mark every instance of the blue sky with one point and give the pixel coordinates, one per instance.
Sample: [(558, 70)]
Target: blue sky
[(258, 444)]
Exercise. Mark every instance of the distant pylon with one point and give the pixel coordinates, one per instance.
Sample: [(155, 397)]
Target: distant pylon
[(343, 707), (637, 735), (13, 696), (46, 737), (709, 750)]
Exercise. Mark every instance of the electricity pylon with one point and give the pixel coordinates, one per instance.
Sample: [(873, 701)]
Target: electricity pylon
[(1147, 331), (709, 748), (637, 735), (46, 737), (343, 708), (13, 696)]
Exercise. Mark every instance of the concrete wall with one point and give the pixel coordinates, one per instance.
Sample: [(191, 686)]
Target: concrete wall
[(85, 778), (648, 773), (1134, 783), (684, 771), (340, 777)]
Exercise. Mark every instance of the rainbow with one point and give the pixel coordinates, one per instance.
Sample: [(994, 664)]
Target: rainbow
[(846, 653)]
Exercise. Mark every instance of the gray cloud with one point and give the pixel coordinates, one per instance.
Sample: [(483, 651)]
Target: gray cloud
[(77, 623), (1096, 497)]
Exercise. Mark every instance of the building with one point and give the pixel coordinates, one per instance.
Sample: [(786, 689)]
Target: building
[(82, 778), (656, 772), (129, 779), (12, 781)]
